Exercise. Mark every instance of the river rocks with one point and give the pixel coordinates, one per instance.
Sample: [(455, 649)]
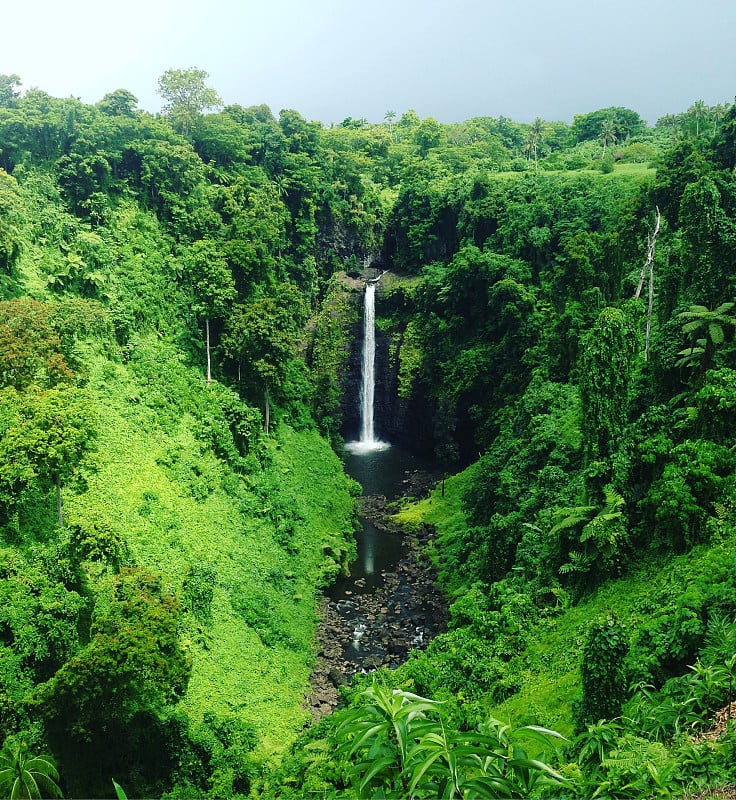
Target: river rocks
[(383, 626)]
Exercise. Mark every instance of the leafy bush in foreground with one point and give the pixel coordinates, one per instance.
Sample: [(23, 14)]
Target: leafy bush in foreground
[(398, 744)]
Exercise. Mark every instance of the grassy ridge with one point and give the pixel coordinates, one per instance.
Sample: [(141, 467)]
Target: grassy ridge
[(656, 598), (267, 538)]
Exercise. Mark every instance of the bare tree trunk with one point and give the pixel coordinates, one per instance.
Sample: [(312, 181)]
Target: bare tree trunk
[(207, 340), (59, 512), (649, 312), (267, 403), (649, 264)]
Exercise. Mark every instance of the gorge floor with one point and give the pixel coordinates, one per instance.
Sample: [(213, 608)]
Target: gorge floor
[(363, 632)]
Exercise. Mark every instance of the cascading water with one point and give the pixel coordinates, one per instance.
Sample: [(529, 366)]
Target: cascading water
[(368, 385), (368, 442), (386, 605)]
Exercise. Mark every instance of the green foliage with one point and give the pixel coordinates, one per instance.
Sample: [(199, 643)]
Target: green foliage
[(602, 672), (327, 356), (411, 357), (133, 662), (626, 123), (675, 623), (679, 503), (31, 350), (119, 791), (40, 619), (186, 95), (25, 776), (11, 221), (48, 436), (511, 343), (198, 589), (606, 165), (94, 537), (215, 757), (602, 532), (397, 746), (636, 153), (214, 288), (261, 337), (715, 403), (605, 374), (705, 330)]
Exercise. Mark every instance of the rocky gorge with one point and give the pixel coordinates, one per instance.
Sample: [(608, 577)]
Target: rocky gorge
[(366, 630)]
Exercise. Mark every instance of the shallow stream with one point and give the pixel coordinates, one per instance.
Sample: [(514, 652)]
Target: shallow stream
[(389, 604), (382, 474)]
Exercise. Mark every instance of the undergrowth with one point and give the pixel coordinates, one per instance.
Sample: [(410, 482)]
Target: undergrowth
[(262, 539)]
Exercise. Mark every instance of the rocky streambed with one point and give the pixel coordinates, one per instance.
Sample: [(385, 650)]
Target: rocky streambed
[(365, 629)]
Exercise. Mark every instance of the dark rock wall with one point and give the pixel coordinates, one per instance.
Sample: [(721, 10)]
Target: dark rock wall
[(409, 424), (350, 404)]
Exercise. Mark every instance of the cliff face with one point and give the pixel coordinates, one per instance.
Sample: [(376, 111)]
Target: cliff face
[(350, 403), (406, 423)]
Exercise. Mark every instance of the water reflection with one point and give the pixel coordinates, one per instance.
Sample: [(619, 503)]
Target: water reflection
[(369, 557), (382, 470), (379, 472)]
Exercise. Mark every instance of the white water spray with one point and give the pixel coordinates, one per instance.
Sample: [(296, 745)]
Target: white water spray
[(368, 441)]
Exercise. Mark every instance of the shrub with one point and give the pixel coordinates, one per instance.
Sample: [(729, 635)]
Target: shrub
[(398, 744), (198, 589), (637, 153), (602, 672), (606, 164)]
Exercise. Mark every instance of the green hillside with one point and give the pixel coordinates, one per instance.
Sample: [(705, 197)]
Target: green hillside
[(184, 513), (179, 306)]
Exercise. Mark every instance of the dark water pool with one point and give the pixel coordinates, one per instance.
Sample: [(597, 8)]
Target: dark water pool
[(379, 472)]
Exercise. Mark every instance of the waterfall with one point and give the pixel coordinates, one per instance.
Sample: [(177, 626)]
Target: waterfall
[(368, 365), (368, 441)]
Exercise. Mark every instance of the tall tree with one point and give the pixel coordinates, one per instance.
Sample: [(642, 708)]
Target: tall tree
[(587, 127), (608, 133), (390, 116), (698, 111), (120, 103), (429, 134), (12, 213), (605, 370), (134, 663), (186, 96), (214, 287), (49, 435), (9, 94), (649, 266), (534, 138), (707, 239), (261, 337)]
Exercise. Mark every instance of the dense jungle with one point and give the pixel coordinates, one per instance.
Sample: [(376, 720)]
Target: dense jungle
[(180, 310)]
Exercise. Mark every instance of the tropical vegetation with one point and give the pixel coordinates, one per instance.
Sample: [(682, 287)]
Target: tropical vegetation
[(179, 302)]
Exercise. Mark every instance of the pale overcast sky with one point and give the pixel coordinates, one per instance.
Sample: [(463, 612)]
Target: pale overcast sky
[(332, 59)]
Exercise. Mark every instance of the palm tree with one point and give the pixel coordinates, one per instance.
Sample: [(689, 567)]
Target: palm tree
[(534, 138), (608, 133), (716, 114), (281, 184), (390, 116), (698, 109), (26, 776)]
